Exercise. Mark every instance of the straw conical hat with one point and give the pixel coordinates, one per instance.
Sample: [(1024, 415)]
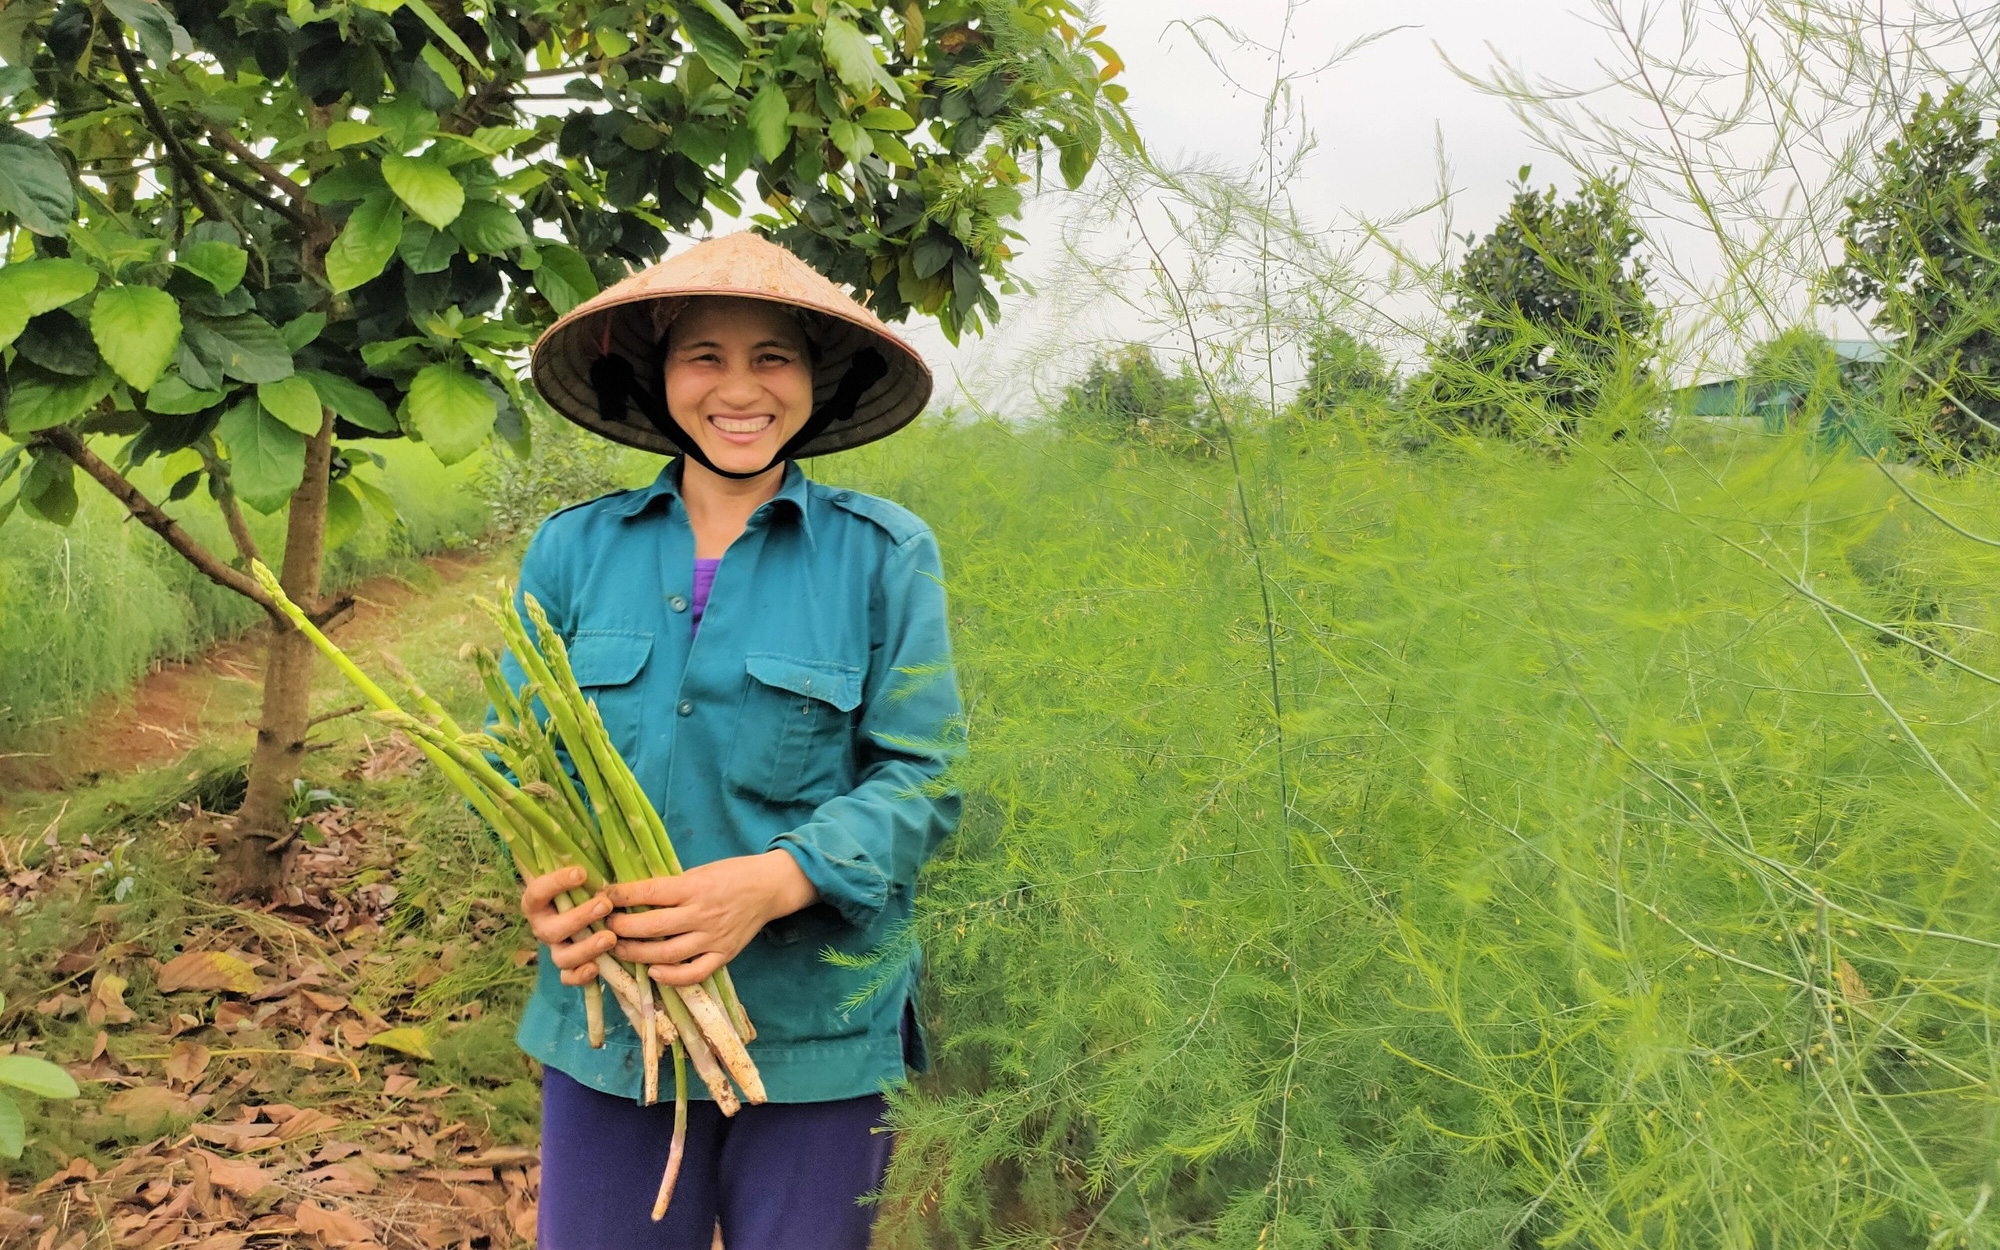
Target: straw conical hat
[(622, 321)]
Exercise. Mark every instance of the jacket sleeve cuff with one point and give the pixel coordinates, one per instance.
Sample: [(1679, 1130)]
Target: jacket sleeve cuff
[(839, 870)]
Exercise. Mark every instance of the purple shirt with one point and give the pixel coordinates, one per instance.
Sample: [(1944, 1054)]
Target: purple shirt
[(704, 579)]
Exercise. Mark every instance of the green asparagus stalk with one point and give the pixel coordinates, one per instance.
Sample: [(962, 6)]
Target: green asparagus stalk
[(609, 828)]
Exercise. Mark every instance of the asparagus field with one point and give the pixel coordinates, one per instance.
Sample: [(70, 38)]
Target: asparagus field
[(1617, 870)]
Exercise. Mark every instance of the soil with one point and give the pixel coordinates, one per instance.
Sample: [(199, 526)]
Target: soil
[(212, 697)]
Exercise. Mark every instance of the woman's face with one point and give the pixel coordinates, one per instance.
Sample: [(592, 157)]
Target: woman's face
[(738, 379)]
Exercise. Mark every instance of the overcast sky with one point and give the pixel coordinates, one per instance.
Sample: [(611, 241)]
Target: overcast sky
[(1378, 117), (1381, 116)]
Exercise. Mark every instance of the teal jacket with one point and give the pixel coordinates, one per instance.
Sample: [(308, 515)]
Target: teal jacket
[(815, 712)]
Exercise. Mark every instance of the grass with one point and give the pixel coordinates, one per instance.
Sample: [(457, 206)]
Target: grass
[(85, 610), (1633, 888)]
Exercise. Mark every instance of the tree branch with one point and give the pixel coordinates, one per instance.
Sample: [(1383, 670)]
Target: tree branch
[(156, 121), (248, 155), (242, 186), (148, 514), (232, 510)]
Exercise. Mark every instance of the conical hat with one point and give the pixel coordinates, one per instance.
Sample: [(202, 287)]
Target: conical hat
[(623, 320)]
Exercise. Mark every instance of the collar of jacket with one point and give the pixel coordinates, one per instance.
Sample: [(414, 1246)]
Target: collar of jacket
[(665, 491)]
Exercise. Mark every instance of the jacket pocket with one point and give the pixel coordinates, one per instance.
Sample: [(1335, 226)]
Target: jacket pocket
[(795, 729), (607, 664)]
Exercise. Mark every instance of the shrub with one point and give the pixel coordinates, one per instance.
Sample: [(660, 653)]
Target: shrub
[(1126, 397)]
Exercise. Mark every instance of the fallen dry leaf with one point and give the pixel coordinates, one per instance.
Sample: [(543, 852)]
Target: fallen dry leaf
[(208, 970), (398, 1085), (234, 1175), (307, 1121), (350, 1177), (186, 1062), (107, 1000), (332, 1227)]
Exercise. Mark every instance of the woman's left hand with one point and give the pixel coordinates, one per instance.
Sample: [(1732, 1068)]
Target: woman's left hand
[(702, 918)]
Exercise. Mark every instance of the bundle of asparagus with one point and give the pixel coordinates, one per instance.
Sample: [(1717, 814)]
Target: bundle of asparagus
[(608, 829)]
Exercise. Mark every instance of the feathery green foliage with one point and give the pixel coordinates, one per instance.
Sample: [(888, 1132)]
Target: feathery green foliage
[(1635, 890)]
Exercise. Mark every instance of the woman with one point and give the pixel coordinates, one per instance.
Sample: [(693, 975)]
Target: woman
[(770, 655)]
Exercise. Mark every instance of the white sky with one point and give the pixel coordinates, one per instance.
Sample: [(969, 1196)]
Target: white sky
[(1379, 117)]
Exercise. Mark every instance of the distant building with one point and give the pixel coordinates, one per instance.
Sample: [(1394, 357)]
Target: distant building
[(1778, 406)]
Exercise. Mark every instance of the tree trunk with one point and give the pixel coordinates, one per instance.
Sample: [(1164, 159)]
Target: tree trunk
[(250, 864)]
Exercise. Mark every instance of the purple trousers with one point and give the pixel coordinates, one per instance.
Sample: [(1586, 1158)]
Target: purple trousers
[(782, 1176)]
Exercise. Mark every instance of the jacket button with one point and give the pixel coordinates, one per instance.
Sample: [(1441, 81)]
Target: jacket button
[(841, 497), (686, 708), (678, 603)]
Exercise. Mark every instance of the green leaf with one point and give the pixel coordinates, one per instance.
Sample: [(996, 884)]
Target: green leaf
[(423, 183), (404, 120), (715, 43), (367, 242), (294, 401), (49, 490), (343, 515), (221, 264), (171, 396), (58, 340), (137, 329), (346, 184), (768, 117), (564, 277), (409, 1040), (347, 133), (13, 1129), (267, 459), (424, 250), (451, 411), (853, 58), (488, 229), (37, 1076), (851, 139), (441, 65), (247, 348), (43, 285), (444, 33), (302, 330), (351, 400), (732, 23), (888, 119), (160, 36), (892, 149), (39, 400), (498, 140), (34, 185)]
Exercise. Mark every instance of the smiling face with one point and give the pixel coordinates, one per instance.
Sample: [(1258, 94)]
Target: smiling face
[(738, 379)]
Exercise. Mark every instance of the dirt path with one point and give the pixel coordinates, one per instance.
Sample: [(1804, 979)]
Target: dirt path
[(213, 697)]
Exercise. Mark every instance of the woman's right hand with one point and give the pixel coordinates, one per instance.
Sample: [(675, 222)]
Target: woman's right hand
[(567, 933)]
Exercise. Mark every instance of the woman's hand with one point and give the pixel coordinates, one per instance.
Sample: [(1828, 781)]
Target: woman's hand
[(575, 956), (703, 917)]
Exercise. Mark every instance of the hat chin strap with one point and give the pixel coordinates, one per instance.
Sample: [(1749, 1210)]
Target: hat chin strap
[(618, 389)]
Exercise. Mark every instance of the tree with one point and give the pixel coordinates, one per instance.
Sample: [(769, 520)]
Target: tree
[(1342, 369), (1555, 319), (264, 232), (1920, 251), (1126, 396)]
